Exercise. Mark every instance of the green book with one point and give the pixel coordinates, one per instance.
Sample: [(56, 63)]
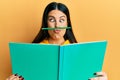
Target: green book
[(76, 61)]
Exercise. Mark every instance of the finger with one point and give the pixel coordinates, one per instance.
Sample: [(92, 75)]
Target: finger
[(9, 78), (21, 78), (13, 77), (95, 78), (18, 78), (16, 74), (100, 78), (101, 74)]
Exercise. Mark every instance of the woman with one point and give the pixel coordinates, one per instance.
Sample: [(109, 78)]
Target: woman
[(57, 29), (55, 15)]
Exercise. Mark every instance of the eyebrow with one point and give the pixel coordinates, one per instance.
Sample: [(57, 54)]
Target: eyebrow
[(54, 17), (62, 16)]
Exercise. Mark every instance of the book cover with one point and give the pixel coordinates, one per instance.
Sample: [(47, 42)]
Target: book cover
[(76, 61), (81, 61)]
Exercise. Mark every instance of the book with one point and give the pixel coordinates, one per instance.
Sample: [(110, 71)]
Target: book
[(77, 61)]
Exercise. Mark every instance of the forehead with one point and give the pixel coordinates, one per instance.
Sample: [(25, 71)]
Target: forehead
[(56, 13)]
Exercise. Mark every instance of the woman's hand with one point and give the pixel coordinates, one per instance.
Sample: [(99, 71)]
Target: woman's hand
[(15, 77), (100, 76)]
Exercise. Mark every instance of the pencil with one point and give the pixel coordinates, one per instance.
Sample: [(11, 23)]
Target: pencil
[(56, 28)]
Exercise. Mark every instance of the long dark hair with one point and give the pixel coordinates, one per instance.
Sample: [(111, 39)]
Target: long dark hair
[(43, 34)]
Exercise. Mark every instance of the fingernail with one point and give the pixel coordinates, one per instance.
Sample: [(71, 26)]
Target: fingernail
[(22, 79), (94, 73), (20, 76), (16, 74)]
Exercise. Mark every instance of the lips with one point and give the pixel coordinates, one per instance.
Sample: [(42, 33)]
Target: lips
[(57, 31)]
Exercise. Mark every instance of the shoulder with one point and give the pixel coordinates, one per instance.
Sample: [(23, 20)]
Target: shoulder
[(45, 41), (66, 42)]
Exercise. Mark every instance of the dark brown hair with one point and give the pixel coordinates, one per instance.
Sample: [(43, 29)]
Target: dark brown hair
[(43, 34)]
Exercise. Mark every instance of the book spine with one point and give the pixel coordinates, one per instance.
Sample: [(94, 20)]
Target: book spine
[(61, 59)]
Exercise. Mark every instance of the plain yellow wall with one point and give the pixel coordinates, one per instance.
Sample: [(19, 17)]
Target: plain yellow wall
[(92, 20)]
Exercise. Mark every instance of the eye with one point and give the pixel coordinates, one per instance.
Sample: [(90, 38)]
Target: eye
[(51, 20), (61, 20)]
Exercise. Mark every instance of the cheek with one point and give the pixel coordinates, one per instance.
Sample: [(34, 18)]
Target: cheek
[(63, 32), (64, 24), (50, 32)]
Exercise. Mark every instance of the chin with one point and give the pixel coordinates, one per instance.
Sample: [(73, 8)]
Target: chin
[(57, 37)]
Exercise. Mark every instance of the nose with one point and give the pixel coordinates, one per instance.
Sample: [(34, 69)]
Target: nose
[(57, 24)]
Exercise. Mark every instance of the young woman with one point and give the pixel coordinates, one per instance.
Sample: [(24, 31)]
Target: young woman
[(55, 15), (57, 29)]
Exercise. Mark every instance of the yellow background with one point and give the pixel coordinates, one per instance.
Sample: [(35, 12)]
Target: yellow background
[(92, 20)]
